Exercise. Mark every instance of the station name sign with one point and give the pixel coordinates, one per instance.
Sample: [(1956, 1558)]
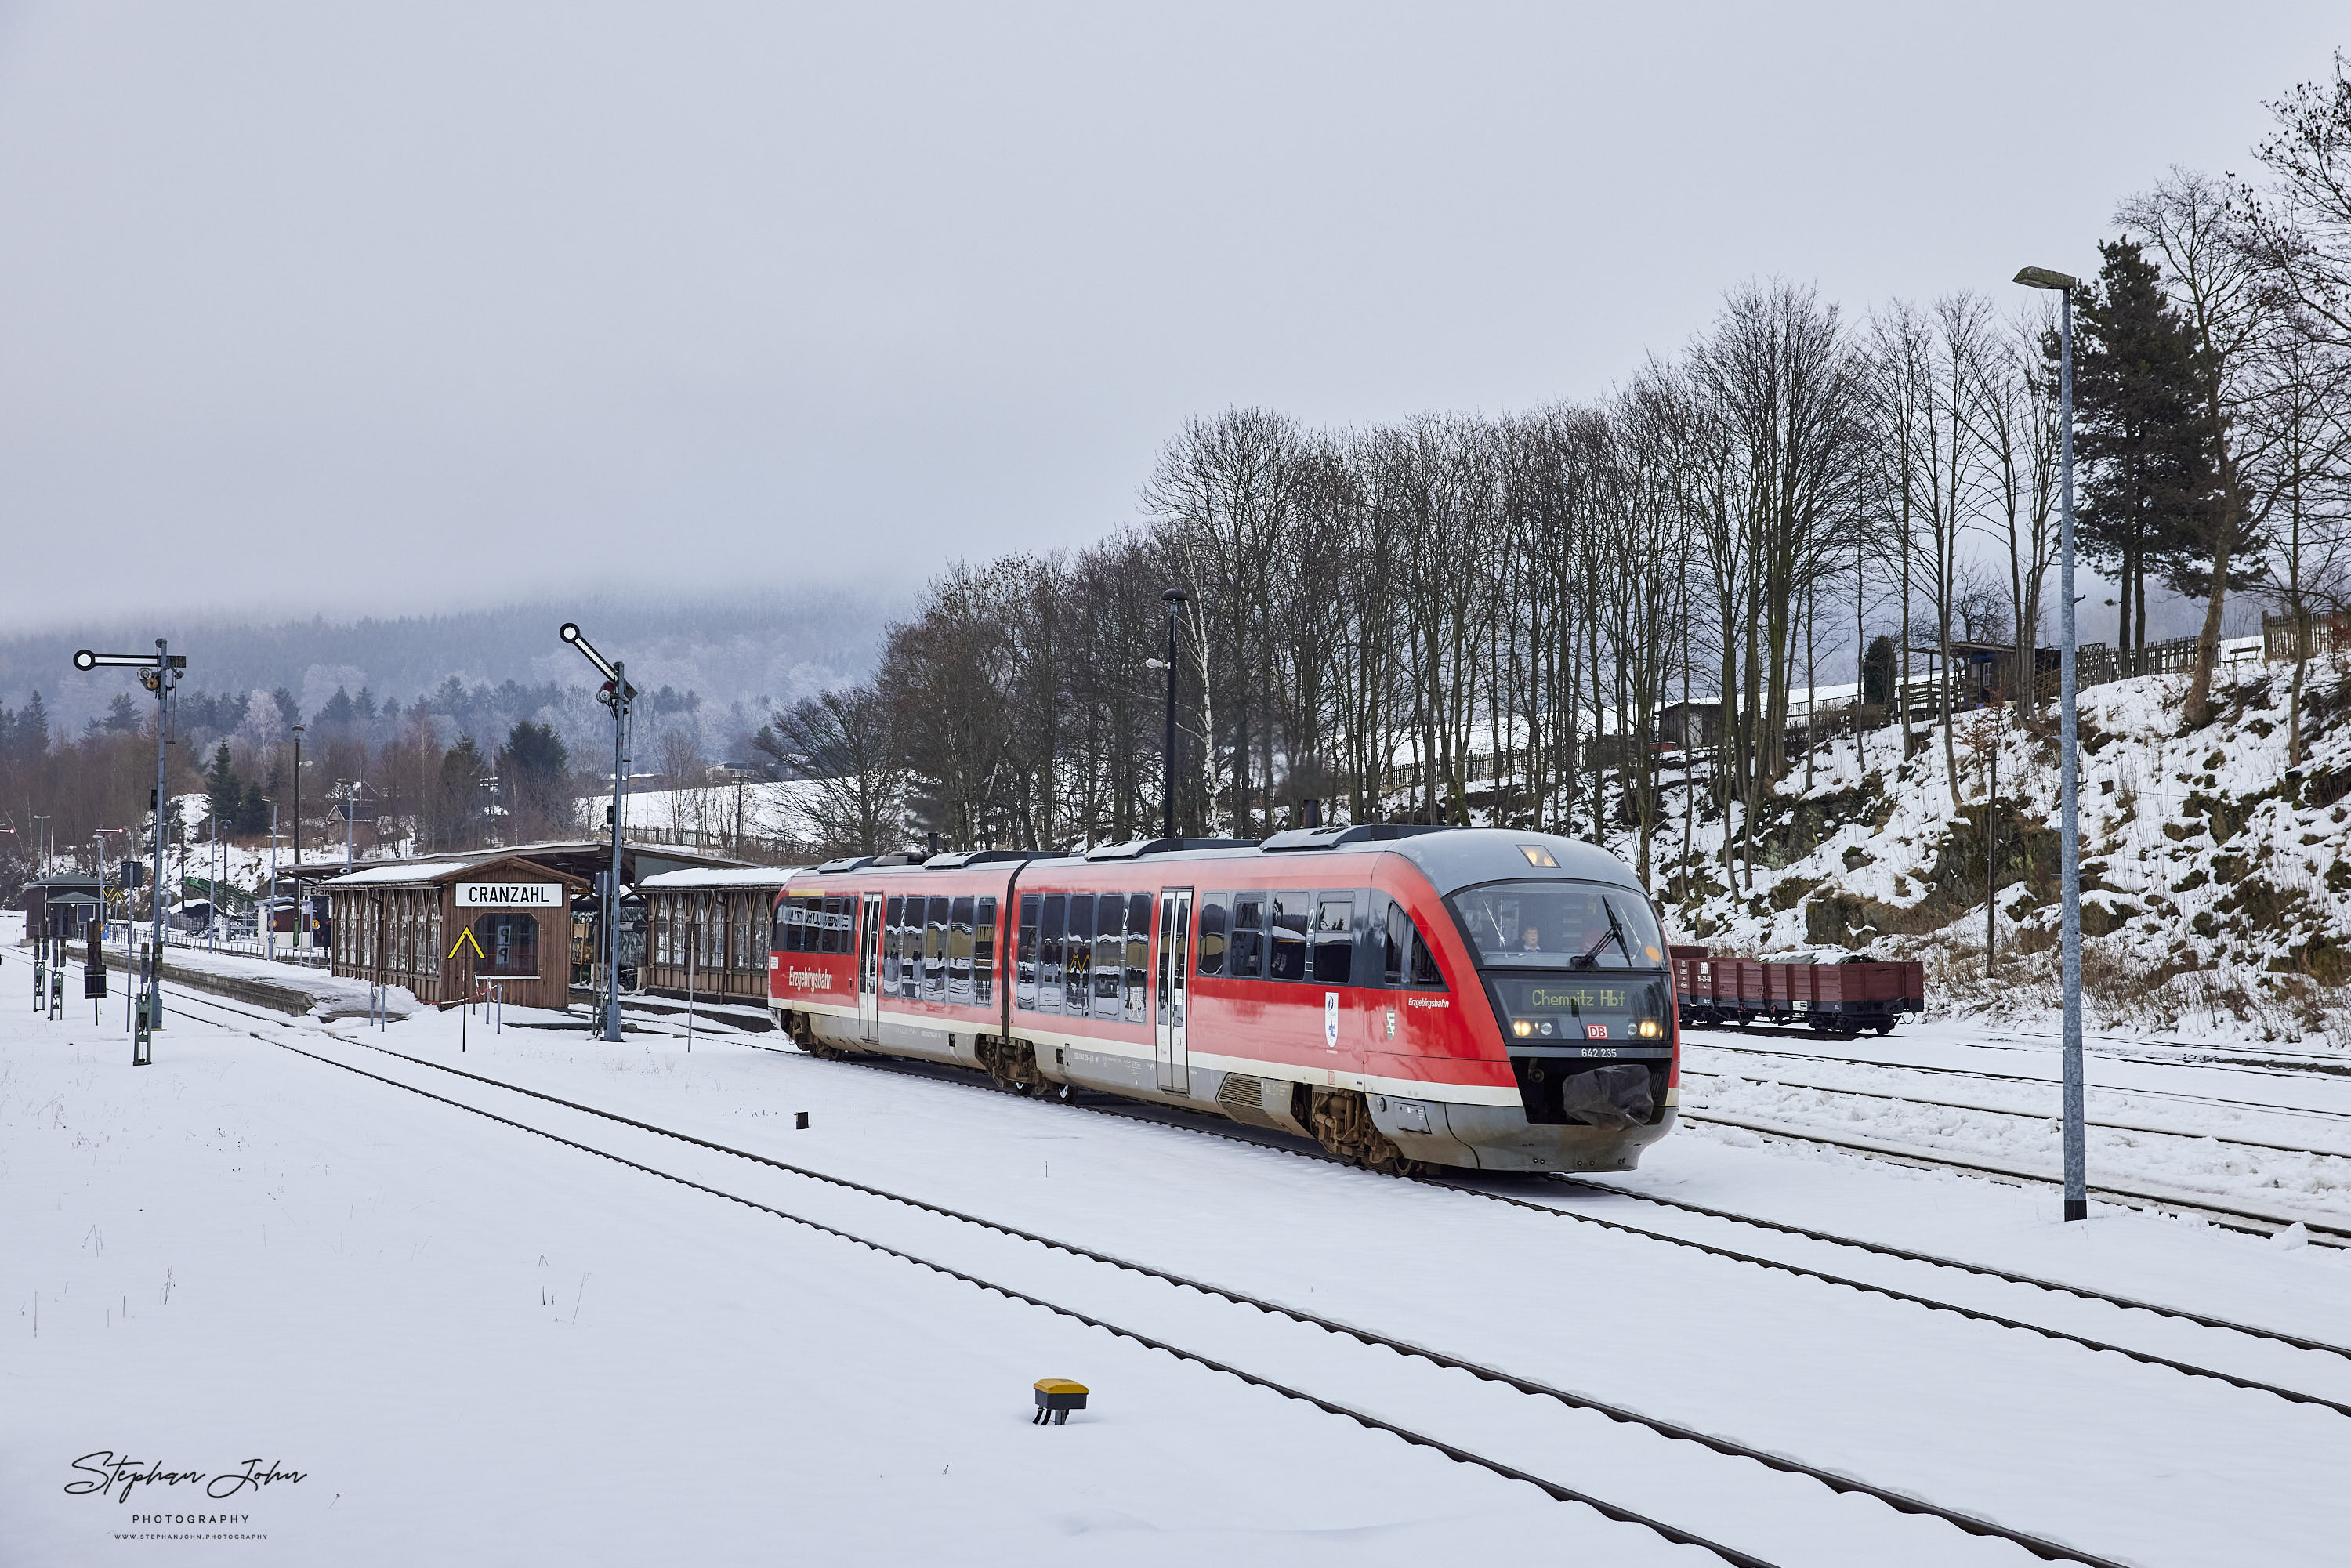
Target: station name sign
[(510, 895)]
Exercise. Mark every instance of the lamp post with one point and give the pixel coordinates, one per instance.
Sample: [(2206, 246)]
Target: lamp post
[(1176, 599), (301, 927), (2077, 1196), (159, 674), (616, 696)]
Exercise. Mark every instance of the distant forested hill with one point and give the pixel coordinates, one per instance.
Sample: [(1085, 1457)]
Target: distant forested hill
[(751, 650)]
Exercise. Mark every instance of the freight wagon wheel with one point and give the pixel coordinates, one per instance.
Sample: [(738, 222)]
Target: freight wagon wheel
[(1886, 1028)]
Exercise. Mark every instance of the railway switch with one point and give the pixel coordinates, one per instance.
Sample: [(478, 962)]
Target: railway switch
[(1056, 1398)]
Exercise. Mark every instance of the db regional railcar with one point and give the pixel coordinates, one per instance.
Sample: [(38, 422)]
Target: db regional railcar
[(1409, 996)]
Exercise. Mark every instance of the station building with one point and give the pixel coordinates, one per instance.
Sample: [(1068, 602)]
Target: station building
[(524, 918)]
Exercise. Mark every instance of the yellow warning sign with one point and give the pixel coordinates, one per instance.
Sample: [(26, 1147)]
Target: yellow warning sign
[(466, 939)]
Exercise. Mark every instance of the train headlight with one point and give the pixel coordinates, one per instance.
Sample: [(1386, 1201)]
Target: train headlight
[(1650, 1029), (1522, 1029), (1546, 1026)]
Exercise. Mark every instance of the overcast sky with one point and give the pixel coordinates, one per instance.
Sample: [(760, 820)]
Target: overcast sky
[(306, 309)]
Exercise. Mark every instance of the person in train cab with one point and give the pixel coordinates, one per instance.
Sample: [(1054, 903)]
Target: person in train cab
[(1531, 939)]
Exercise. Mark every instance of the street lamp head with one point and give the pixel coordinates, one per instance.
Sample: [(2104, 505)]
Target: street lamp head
[(1174, 596), (1155, 665), (2042, 278)]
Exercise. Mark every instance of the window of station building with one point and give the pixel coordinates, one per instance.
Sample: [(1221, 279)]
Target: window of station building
[(934, 948), (959, 945), (893, 920), (1053, 943), (509, 941), (1138, 956), (1109, 909), (983, 953), (1077, 981), (1213, 911), (1335, 940), (1293, 913), (1245, 959), (1024, 956)]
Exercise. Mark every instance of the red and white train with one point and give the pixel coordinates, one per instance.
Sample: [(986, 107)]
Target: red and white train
[(1409, 996)]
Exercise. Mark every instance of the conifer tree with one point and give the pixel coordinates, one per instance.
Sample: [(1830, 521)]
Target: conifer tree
[(2141, 429)]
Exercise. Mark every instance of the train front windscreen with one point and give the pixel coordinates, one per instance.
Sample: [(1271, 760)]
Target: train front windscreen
[(1576, 972)]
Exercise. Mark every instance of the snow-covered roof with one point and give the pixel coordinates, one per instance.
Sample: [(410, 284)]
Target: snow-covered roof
[(417, 874), (717, 877), (407, 873)]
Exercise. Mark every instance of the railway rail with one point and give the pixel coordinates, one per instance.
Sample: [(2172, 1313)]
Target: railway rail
[(2220, 1101), (1900, 1501), (2032, 1116)]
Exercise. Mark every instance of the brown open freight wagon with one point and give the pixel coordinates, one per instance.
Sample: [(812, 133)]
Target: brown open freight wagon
[(1843, 997)]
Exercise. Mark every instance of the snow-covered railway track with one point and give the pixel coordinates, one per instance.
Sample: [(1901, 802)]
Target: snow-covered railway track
[(2207, 1207), (2039, 1115), (1571, 1405), (1302, 1148), (2221, 1102)]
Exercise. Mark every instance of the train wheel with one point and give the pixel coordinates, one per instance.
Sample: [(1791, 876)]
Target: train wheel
[(1886, 1028)]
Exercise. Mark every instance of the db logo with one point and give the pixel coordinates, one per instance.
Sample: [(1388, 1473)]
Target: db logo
[(1596, 1031)]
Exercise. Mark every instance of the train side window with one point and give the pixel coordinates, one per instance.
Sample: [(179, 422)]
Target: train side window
[(1246, 960), (1425, 971), (1292, 913), (1051, 937), (1138, 957), (893, 915), (827, 942), (1211, 960), (959, 942), (1334, 940), (934, 948), (1077, 994), (1110, 911), (1024, 954), (788, 926), (910, 948), (983, 953)]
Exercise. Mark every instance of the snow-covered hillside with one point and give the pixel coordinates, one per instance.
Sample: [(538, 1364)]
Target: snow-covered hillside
[(2217, 890)]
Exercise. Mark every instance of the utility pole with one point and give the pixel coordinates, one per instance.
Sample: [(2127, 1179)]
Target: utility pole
[(616, 696), (2077, 1195), (300, 903)]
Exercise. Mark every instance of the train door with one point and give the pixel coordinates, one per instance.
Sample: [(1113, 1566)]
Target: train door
[(1174, 989), (868, 971)]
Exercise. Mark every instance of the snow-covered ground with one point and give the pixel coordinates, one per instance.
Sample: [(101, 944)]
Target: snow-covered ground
[(520, 1350)]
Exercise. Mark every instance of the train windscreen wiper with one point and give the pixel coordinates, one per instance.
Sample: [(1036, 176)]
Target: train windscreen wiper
[(1615, 932)]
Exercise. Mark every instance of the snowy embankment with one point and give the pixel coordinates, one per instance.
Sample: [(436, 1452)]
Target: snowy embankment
[(520, 1350), (2217, 872)]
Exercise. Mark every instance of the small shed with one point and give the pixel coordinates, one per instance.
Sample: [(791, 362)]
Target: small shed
[(35, 901), (712, 930), (442, 928)]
